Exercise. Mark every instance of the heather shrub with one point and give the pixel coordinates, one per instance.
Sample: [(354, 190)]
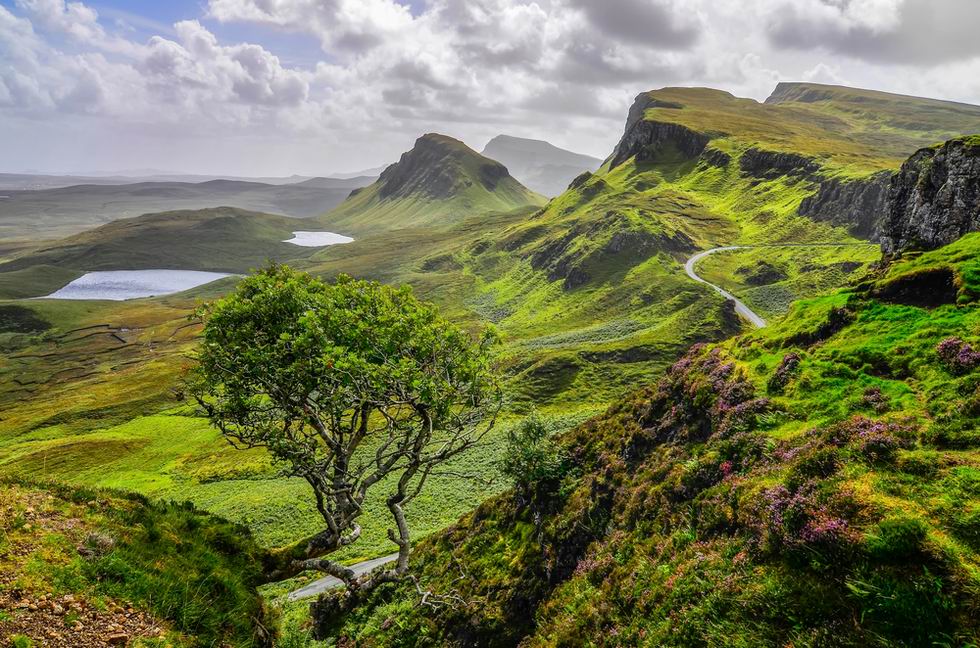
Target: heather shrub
[(788, 367), (874, 398), (957, 356)]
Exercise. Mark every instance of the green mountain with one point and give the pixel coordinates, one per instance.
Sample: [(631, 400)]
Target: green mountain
[(590, 295), (438, 182)]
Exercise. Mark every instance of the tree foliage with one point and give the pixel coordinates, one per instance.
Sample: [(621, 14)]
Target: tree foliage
[(352, 386)]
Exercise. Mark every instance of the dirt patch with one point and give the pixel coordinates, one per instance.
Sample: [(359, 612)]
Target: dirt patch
[(30, 527), (926, 288)]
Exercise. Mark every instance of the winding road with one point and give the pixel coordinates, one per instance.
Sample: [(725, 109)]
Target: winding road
[(328, 583), (740, 307)]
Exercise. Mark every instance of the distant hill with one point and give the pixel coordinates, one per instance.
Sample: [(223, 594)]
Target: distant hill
[(337, 183), (36, 181), (221, 239), (440, 181), (53, 213), (541, 166)]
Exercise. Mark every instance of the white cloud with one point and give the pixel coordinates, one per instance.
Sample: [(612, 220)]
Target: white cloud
[(563, 70)]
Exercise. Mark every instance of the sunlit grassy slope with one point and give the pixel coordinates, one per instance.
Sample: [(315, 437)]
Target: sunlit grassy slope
[(115, 564), (813, 483)]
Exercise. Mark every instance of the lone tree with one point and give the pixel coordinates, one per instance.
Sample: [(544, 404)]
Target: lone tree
[(352, 386)]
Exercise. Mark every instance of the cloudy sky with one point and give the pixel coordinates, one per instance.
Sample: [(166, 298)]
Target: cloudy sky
[(276, 87)]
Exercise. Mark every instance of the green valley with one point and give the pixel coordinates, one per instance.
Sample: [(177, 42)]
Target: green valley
[(840, 416)]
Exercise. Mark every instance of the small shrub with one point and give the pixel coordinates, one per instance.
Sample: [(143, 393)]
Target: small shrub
[(874, 398), (957, 356), (20, 641), (897, 538), (788, 367), (531, 457)]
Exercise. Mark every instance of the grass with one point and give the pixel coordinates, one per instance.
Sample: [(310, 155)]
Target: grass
[(194, 573)]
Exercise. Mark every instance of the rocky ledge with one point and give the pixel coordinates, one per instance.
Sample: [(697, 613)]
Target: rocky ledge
[(935, 198)]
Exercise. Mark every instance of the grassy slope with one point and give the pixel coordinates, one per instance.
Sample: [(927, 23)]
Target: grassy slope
[(187, 575), (836, 506)]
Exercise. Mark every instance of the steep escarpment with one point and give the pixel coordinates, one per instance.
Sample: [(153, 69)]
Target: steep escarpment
[(935, 197), (857, 205), (647, 139), (812, 483), (438, 182)]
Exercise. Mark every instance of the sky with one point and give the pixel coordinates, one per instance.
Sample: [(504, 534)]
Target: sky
[(312, 87)]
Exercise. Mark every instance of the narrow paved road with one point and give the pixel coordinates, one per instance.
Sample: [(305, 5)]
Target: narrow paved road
[(740, 306), (330, 582)]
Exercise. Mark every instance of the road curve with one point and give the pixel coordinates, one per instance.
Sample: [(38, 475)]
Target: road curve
[(740, 306), (330, 582)]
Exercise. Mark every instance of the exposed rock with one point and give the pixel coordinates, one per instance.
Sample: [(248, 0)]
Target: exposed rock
[(646, 139), (858, 205), (927, 288), (715, 157), (772, 164), (935, 198)]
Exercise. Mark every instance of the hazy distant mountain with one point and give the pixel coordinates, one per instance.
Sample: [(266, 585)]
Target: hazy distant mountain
[(374, 171), (53, 213), (338, 183), (438, 182), (540, 166), (25, 181)]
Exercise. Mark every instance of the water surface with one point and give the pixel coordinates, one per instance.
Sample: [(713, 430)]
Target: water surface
[(318, 239), (117, 285)]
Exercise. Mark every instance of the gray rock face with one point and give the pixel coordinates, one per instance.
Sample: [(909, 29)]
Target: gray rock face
[(935, 198), (771, 164), (645, 139), (859, 205)]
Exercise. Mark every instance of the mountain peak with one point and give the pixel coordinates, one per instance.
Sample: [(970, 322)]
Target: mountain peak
[(439, 167), (538, 164), (440, 179)]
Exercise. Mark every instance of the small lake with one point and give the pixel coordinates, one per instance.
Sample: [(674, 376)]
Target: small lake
[(318, 239), (117, 285)]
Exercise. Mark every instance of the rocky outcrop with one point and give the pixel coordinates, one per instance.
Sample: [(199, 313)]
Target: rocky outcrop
[(646, 139), (858, 205), (760, 163), (935, 198)]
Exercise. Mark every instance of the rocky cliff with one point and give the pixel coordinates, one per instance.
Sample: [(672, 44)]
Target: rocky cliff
[(935, 198), (436, 167), (646, 138), (858, 205)]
